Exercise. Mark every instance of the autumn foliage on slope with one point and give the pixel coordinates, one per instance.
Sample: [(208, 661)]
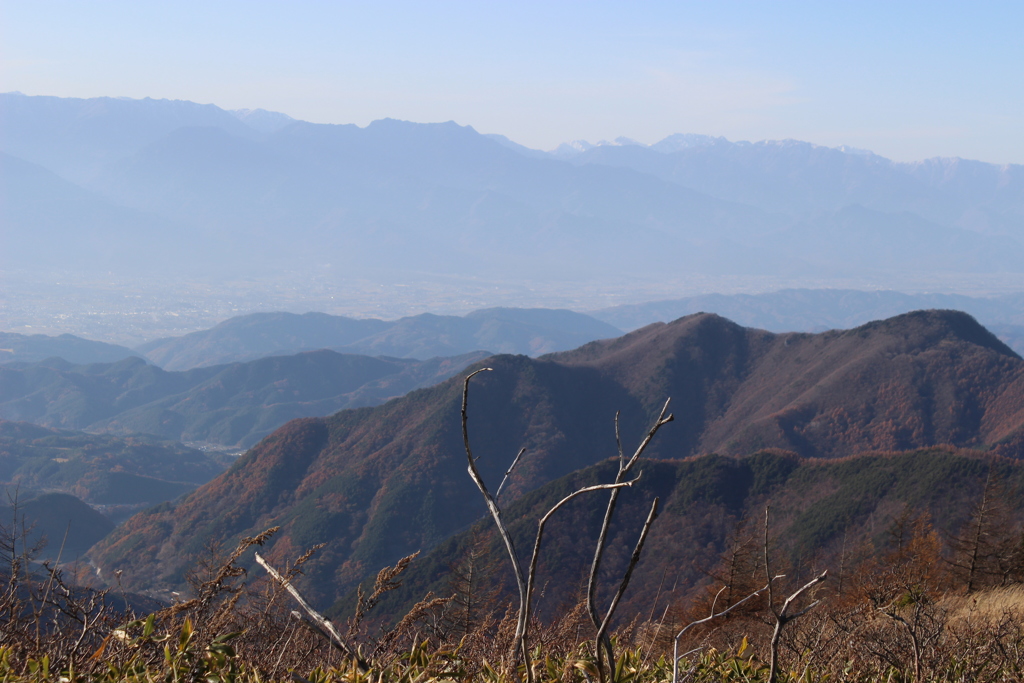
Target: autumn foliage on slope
[(377, 484)]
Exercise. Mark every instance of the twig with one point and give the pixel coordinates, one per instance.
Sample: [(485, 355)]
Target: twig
[(624, 468), (602, 538), (618, 440), (49, 583), (783, 617), (633, 560)]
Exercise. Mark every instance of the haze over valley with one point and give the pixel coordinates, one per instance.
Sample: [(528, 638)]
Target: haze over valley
[(160, 217)]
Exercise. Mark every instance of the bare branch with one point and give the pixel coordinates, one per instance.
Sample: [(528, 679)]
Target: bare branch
[(618, 441), (658, 424), (803, 589), (319, 620), (651, 516), (515, 462), (783, 616), (544, 520), (602, 538), (767, 567), (675, 647), (495, 511), (602, 632)]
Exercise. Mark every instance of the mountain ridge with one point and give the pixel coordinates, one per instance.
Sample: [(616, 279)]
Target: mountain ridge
[(31, 348), (379, 483), (818, 310), (230, 405), (443, 199), (423, 336)]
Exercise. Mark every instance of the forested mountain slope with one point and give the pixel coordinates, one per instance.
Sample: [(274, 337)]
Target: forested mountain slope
[(377, 483), (825, 514)]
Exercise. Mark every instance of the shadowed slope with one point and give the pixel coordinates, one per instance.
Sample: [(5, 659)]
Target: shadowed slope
[(707, 504)]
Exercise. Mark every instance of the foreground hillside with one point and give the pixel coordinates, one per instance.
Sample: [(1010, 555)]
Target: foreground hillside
[(378, 483), (825, 513)]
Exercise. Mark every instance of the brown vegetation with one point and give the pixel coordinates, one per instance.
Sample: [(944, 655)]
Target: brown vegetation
[(901, 614)]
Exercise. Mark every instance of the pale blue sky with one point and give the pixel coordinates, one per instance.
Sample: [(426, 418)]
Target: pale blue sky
[(907, 80)]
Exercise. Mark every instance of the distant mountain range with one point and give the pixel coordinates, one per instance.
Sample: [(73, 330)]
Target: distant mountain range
[(229, 405), (800, 179), (499, 330), (378, 483), (32, 348), (161, 187)]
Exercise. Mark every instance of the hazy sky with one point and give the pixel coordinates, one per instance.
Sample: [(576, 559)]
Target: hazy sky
[(907, 80)]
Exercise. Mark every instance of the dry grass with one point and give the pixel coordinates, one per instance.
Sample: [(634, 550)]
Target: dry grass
[(990, 605)]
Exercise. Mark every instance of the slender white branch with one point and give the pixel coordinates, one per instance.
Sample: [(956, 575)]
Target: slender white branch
[(803, 589), (714, 615), (783, 617), (624, 468), (659, 423), (540, 532), (618, 441), (633, 560), (508, 473), (492, 507), (313, 614)]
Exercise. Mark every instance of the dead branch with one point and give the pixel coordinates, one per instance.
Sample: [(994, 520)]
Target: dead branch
[(317, 618), (544, 521), (624, 467), (492, 507), (602, 632), (782, 617), (509, 472), (693, 624)]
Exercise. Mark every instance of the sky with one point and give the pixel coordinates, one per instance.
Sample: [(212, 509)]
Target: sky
[(905, 80)]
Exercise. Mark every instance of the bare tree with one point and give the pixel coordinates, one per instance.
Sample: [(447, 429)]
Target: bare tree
[(783, 616), (987, 550), (525, 583), (603, 641)]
